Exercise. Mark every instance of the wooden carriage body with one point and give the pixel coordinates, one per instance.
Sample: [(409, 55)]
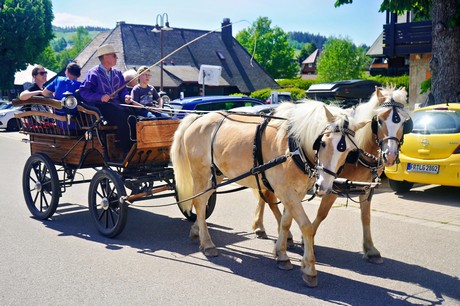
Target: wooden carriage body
[(82, 140)]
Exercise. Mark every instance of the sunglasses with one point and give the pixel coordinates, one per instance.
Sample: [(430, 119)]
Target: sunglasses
[(42, 73)]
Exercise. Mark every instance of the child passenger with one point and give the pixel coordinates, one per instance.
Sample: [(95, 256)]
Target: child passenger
[(146, 95)]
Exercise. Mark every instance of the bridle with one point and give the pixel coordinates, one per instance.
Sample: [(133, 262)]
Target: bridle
[(396, 118), (341, 145)]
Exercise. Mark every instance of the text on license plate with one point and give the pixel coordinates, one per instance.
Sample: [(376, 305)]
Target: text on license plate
[(423, 168)]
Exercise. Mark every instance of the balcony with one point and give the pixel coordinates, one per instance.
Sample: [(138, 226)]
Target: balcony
[(401, 39)]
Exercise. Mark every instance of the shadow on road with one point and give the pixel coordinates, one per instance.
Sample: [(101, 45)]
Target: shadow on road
[(150, 233)]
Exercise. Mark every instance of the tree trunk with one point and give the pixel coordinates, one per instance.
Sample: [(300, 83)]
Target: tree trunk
[(445, 63)]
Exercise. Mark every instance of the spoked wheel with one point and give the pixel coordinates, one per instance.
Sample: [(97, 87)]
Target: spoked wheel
[(40, 184), (209, 209), (108, 212)]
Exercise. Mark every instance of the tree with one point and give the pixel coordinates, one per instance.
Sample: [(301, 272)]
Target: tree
[(25, 31), (445, 63), (340, 60), (271, 48)]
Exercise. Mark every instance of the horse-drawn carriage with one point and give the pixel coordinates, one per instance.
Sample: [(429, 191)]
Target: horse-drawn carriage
[(304, 147), (62, 145)]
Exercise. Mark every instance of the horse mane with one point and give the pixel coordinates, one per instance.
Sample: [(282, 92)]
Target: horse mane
[(306, 121), (366, 111)]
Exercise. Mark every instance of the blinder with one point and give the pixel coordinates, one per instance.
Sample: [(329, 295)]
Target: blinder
[(352, 157), (407, 128)]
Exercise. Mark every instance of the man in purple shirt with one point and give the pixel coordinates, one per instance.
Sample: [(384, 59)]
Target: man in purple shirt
[(102, 88)]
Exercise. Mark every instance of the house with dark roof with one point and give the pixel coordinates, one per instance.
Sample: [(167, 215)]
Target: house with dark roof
[(138, 45), (308, 66)]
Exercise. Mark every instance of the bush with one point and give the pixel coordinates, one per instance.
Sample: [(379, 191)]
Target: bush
[(399, 81), (297, 83)]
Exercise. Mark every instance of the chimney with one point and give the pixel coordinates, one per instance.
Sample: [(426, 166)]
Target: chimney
[(227, 37)]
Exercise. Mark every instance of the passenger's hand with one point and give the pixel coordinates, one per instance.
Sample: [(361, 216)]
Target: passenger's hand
[(106, 98), (128, 99)]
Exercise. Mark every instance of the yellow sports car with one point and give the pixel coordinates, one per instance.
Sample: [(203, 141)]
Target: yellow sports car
[(431, 152)]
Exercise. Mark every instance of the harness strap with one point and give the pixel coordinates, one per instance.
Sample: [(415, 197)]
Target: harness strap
[(214, 170), (258, 158)]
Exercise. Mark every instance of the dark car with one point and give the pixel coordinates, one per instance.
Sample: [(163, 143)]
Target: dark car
[(346, 93), (211, 103)]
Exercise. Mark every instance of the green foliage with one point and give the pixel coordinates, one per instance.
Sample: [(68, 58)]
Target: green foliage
[(421, 8), (48, 59), (396, 81), (261, 94), (425, 86), (341, 60), (264, 94), (270, 47), (59, 44), (25, 31), (297, 83), (58, 61)]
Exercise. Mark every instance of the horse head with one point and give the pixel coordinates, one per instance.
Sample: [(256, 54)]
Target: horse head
[(390, 123), (332, 148)]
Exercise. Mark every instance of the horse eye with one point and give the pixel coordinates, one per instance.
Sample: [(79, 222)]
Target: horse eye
[(323, 144)]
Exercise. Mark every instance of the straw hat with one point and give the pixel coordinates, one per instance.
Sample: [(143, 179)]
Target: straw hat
[(105, 49)]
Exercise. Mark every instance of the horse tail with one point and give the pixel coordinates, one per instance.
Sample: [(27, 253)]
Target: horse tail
[(181, 163)]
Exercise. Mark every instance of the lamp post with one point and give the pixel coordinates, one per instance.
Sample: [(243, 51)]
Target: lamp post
[(159, 27)]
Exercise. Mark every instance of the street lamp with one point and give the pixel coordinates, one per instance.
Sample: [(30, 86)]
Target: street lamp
[(159, 27)]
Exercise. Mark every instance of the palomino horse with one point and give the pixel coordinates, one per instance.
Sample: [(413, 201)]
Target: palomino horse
[(219, 145), (381, 140)]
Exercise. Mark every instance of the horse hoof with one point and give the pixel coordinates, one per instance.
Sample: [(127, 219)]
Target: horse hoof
[(211, 252), (284, 264), (261, 234), (375, 259), (311, 281)]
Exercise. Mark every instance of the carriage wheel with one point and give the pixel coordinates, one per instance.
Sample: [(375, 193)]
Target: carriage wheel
[(209, 208), (40, 184), (108, 212)]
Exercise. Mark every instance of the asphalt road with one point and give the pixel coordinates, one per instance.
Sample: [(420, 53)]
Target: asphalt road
[(65, 261)]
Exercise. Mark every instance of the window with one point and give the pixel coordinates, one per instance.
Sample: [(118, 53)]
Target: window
[(220, 55)]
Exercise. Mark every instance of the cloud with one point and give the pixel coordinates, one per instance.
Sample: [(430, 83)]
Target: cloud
[(69, 20)]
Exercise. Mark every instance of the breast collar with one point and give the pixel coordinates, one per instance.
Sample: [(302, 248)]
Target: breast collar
[(299, 157)]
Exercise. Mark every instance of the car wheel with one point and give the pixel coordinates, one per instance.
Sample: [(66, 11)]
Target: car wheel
[(400, 186), (12, 126)]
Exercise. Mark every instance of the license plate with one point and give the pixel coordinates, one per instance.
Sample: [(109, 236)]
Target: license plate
[(423, 168)]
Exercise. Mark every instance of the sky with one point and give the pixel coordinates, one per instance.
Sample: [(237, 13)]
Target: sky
[(360, 21)]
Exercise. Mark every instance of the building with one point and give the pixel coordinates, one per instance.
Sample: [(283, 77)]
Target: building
[(308, 66), (404, 47), (183, 51)]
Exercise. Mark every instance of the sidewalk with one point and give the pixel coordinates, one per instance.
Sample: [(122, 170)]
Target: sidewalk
[(430, 205)]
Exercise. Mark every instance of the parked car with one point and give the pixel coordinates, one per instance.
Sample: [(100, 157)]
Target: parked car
[(7, 119), (347, 93), (3, 103), (431, 152), (256, 109), (210, 103), (278, 97)]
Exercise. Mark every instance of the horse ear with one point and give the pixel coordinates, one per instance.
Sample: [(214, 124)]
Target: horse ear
[(330, 117), (379, 95), (361, 124)]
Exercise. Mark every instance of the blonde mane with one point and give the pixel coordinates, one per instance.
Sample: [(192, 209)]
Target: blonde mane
[(307, 120), (366, 111)]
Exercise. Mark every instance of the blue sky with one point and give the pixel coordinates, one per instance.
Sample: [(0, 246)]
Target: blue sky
[(360, 21)]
